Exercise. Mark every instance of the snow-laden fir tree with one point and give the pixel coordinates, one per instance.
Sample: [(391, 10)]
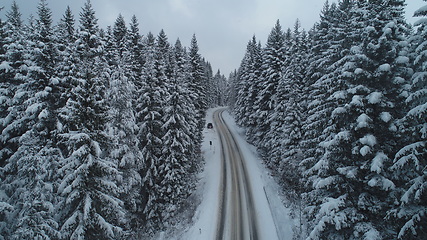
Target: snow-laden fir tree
[(11, 59), (286, 123), (5, 208), (197, 84), (66, 28), (122, 130), (211, 89), (318, 107), (233, 90), (178, 159), (13, 71), (255, 69), (410, 163), (34, 187), (90, 208), (352, 186), (246, 87), (66, 67), (120, 33), (35, 117), (149, 119), (136, 60), (219, 82), (273, 58), (122, 127)]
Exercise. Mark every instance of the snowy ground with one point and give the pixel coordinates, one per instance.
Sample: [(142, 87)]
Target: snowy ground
[(267, 199)]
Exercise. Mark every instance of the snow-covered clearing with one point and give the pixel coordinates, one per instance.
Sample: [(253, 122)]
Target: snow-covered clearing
[(267, 199)]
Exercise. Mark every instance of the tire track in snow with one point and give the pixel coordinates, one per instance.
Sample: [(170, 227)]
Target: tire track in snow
[(237, 218)]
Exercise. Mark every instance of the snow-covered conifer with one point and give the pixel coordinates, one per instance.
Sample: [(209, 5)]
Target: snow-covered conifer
[(149, 119), (246, 81), (13, 72), (219, 83), (409, 166), (122, 127), (273, 58), (91, 208), (197, 83), (178, 143), (362, 134), (135, 48)]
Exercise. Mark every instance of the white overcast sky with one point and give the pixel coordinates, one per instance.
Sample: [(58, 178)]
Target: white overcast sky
[(222, 27)]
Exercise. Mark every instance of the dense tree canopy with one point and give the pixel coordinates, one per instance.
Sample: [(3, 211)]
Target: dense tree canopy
[(99, 129), (331, 117)]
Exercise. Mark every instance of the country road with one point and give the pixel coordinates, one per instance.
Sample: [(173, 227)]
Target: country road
[(237, 216), (239, 197)]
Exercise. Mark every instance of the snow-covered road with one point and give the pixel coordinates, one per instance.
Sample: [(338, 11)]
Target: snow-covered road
[(218, 216), (236, 212)]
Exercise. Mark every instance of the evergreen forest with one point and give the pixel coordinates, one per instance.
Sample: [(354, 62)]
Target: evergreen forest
[(100, 128), (339, 114)]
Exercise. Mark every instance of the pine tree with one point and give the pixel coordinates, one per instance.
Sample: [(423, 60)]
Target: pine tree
[(209, 84), (149, 119), (273, 59), (232, 92), (13, 72), (122, 130), (220, 86), (178, 144), (120, 35), (319, 107), (90, 208), (410, 161), (66, 66), (362, 132), (135, 47), (182, 78), (5, 208), (255, 86), (197, 84), (243, 99), (122, 127), (35, 117), (34, 189), (66, 26), (285, 132), (14, 16)]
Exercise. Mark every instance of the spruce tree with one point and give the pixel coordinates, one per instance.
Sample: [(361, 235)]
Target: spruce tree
[(362, 132), (134, 45), (177, 159), (13, 73), (66, 67), (255, 86), (285, 132), (122, 130), (319, 107), (36, 120), (149, 119), (120, 32), (410, 161), (197, 84), (272, 66), (244, 100), (122, 126), (220, 85), (90, 208)]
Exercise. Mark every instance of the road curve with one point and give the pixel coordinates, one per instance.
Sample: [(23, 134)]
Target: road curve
[(237, 215)]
